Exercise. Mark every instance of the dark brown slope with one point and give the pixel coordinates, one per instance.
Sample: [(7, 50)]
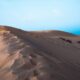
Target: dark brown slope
[(19, 60), (38, 33), (38, 55), (51, 33)]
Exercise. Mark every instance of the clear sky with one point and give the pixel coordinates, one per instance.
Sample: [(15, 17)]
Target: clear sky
[(41, 14)]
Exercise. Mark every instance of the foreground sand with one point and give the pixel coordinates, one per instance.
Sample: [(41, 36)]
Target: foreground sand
[(46, 55)]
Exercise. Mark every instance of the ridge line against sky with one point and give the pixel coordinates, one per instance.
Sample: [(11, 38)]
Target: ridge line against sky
[(41, 14)]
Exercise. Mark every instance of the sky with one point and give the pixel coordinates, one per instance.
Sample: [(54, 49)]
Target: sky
[(41, 14)]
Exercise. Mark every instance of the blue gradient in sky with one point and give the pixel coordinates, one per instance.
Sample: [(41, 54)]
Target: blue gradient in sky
[(41, 14)]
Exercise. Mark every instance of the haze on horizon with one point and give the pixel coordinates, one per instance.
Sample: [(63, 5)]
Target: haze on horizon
[(41, 14)]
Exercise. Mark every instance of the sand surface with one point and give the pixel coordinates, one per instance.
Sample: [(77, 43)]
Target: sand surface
[(43, 55)]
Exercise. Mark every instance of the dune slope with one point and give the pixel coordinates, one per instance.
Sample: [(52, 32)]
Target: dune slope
[(49, 55)]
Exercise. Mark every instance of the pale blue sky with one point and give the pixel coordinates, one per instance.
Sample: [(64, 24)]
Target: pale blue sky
[(41, 14)]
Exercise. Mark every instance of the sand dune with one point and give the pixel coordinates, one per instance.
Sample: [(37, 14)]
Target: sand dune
[(43, 55)]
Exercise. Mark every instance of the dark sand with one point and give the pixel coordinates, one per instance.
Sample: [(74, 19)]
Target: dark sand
[(43, 55)]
